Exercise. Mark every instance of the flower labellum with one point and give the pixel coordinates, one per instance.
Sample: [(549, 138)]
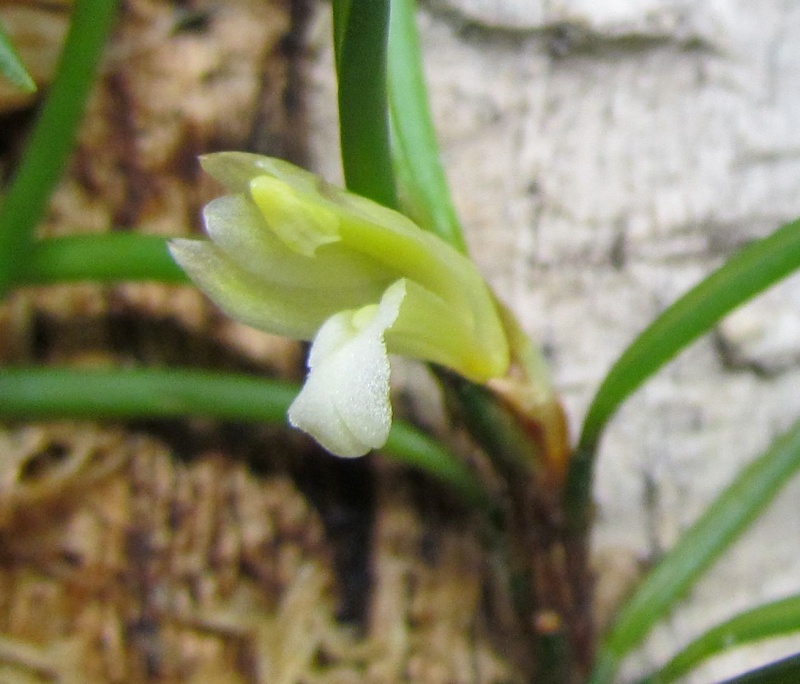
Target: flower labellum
[(291, 255)]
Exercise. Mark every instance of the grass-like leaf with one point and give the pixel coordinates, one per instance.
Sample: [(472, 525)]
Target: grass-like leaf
[(104, 257), (727, 517), (747, 273), (769, 620), (11, 65), (26, 199), (424, 195), (125, 394), (361, 29)]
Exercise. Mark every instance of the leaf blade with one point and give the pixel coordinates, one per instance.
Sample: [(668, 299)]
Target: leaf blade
[(780, 672), (721, 524), (746, 274), (425, 195), (124, 394), (48, 148), (361, 30), (11, 65), (762, 622)]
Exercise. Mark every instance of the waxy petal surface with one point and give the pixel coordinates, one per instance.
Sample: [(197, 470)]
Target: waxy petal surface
[(344, 403)]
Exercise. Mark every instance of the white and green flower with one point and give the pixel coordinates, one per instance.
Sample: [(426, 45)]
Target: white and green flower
[(292, 255)]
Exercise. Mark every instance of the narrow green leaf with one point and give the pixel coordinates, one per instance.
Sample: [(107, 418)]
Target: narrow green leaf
[(102, 258), (746, 274), (45, 392), (727, 517), (773, 619), (424, 196), (26, 199), (11, 65), (341, 12), (786, 671), (124, 394), (361, 30)]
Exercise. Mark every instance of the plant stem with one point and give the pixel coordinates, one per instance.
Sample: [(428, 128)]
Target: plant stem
[(518, 420), (25, 200), (491, 425)]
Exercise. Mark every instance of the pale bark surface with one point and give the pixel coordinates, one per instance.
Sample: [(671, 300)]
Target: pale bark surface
[(604, 157)]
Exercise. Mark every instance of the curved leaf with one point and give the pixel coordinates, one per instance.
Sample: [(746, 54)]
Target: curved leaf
[(11, 65), (101, 258), (753, 269), (769, 620), (425, 196), (169, 393), (50, 143), (727, 517), (746, 274), (361, 29)]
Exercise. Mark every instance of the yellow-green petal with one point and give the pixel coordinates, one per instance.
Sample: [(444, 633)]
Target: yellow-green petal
[(450, 315), (291, 312), (303, 226), (236, 225), (430, 329), (235, 170)]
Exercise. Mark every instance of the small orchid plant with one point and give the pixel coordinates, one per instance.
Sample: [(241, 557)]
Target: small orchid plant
[(351, 272)]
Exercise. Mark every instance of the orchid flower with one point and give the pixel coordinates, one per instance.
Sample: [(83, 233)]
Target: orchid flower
[(294, 256)]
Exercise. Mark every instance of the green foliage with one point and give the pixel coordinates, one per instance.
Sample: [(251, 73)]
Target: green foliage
[(101, 258), (773, 619), (126, 394), (729, 515), (26, 198), (11, 65), (361, 29), (386, 130), (746, 274), (424, 194)]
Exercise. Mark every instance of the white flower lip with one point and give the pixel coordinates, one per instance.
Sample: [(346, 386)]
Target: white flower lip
[(344, 402)]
